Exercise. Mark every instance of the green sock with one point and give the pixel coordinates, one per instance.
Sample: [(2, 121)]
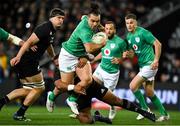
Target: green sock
[(52, 96), (155, 100), (73, 97), (141, 99)]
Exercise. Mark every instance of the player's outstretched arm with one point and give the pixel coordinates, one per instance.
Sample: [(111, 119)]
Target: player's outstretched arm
[(15, 40), (64, 87), (31, 41)]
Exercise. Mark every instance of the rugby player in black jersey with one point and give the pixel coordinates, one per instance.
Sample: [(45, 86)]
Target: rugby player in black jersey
[(26, 63), (102, 93)]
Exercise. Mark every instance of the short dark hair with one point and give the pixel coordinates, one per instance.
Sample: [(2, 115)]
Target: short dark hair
[(56, 11), (94, 9), (131, 16), (111, 22)]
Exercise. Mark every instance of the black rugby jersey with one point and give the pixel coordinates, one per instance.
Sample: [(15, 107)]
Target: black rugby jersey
[(45, 32)]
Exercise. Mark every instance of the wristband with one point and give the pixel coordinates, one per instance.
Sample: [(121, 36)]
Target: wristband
[(70, 87)]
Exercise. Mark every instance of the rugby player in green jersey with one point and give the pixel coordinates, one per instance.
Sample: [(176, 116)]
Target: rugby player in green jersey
[(141, 42), (107, 72), (77, 46)]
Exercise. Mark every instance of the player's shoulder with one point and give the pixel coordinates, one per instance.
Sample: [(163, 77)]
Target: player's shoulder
[(118, 38), (43, 28), (45, 25), (119, 41), (141, 29), (84, 17), (84, 22)]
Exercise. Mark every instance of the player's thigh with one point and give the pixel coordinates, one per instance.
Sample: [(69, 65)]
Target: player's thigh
[(35, 81), (67, 61), (85, 73), (136, 82), (67, 77), (111, 99), (147, 73), (35, 78), (110, 80), (33, 95), (27, 67), (97, 76), (97, 79)]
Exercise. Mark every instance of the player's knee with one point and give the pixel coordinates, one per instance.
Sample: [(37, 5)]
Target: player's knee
[(149, 93), (58, 84), (132, 87)]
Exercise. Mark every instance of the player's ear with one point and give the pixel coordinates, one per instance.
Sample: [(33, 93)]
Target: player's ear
[(114, 30), (135, 22)]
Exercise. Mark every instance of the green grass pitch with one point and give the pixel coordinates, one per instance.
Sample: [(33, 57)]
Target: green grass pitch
[(40, 116)]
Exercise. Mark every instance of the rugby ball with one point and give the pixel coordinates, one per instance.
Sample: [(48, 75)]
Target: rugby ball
[(97, 38)]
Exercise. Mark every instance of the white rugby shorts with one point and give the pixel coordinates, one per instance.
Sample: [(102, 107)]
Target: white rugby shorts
[(110, 80), (67, 61), (147, 72)]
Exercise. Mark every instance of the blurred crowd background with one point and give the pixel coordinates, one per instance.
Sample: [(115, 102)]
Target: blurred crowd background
[(20, 17)]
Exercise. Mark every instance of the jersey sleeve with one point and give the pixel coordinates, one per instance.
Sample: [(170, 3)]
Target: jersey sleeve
[(3, 35), (41, 31), (148, 37)]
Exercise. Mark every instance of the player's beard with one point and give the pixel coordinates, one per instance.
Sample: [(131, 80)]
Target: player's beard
[(58, 27), (110, 37)]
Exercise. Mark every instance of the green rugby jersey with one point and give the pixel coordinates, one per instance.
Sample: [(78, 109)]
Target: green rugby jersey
[(141, 41), (113, 48), (82, 34), (3, 35)]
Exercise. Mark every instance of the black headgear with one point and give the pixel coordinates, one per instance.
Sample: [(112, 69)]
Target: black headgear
[(56, 11)]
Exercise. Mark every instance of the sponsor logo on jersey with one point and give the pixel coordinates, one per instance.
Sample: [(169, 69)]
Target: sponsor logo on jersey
[(107, 52), (107, 57), (135, 47), (137, 52), (112, 45), (137, 39), (52, 37)]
